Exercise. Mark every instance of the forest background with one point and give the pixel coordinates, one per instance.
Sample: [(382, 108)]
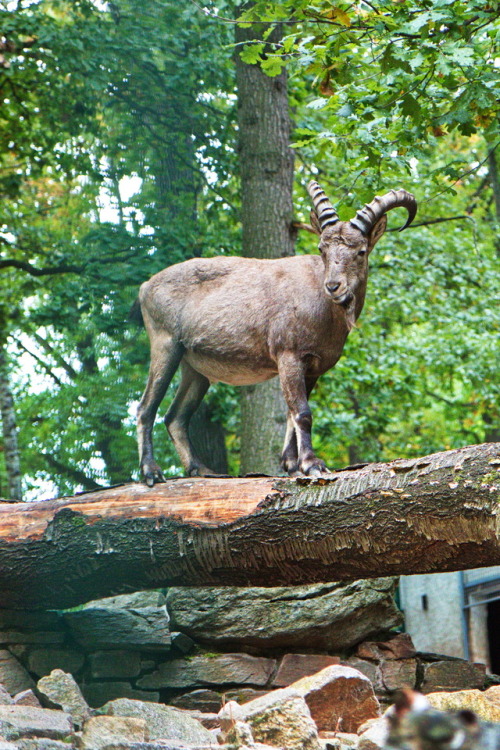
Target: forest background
[(120, 154)]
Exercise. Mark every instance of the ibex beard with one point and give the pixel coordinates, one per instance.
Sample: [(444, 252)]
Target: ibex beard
[(243, 321)]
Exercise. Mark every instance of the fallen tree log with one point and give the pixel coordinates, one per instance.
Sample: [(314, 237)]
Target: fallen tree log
[(424, 515)]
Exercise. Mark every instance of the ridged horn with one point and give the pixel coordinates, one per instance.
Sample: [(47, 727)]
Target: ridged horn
[(366, 219), (324, 210)]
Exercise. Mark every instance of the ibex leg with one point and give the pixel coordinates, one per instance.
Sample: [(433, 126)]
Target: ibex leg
[(165, 357), (293, 383), (290, 455), (192, 388)]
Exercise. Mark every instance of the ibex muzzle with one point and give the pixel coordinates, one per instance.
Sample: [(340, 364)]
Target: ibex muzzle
[(242, 321)]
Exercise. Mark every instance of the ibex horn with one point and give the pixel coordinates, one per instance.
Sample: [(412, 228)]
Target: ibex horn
[(324, 210), (366, 218)]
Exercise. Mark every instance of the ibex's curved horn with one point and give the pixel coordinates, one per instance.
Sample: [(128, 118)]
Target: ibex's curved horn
[(370, 213), (324, 210)]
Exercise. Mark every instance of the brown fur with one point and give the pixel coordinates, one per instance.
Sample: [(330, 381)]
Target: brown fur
[(242, 321)]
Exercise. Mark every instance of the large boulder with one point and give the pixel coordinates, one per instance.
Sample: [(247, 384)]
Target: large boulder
[(161, 721), (333, 616), (60, 690), (339, 698), (129, 621), (280, 718)]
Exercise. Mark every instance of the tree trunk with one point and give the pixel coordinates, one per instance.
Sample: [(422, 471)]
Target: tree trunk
[(425, 515), (266, 167), (9, 429)]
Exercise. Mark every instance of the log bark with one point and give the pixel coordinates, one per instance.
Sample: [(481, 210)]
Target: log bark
[(425, 515)]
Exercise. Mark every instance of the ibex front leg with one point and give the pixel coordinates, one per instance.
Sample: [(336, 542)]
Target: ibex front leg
[(295, 389)]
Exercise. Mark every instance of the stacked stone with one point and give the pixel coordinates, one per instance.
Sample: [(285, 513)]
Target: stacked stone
[(198, 648)]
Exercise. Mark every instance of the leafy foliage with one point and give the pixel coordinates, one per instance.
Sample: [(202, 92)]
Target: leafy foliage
[(118, 156)]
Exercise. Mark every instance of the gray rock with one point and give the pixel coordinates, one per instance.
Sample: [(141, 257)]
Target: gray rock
[(452, 675), (42, 744), (333, 616), (13, 675), (375, 736), (199, 700), (12, 637), (4, 745), (223, 669), (102, 731), (27, 698), (17, 619), (27, 721), (133, 622), (282, 718), (182, 642), (162, 721), (60, 690), (98, 693), (105, 664), (5, 697), (42, 661)]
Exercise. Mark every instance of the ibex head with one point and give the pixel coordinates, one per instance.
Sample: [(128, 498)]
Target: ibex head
[(345, 245)]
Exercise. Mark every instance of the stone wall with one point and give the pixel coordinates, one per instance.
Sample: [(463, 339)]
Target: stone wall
[(197, 648)]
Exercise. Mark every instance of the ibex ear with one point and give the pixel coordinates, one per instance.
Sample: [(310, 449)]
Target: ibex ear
[(315, 222), (377, 232)]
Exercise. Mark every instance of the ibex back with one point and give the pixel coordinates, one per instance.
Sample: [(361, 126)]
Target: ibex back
[(242, 321)]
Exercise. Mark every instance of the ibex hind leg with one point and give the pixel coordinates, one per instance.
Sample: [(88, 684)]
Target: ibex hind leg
[(166, 355), (189, 396)]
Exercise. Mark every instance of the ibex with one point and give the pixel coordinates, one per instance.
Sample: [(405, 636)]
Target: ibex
[(242, 321)]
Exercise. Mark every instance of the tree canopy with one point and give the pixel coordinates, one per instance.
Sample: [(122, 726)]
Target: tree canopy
[(118, 156)]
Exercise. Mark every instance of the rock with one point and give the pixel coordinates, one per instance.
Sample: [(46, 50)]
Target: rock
[(26, 721), (101, 731), (207, 701), (399, 646), (229, 714), (295, 666), (42, 744), (133, 622), (27, 698), (282, 719), (493, 694), (244, 695), (396, 675), (182, 642), (472, 700), (224, 669), (239, 735), (368, 668), (4, 745), (208, 720), (453, 674), (12, 637), (104, 664), (13, 675), (374, 736), (339, 698), (5, 697), (333, 616), (162, 721), (61, 691), (42, 661), (18, 619), (98, 693)]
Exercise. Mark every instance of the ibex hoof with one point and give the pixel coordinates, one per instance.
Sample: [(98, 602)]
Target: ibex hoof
[(152, 474), (317, 468)]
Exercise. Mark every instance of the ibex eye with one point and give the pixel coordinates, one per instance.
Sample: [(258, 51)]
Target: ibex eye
[(362, 252)]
